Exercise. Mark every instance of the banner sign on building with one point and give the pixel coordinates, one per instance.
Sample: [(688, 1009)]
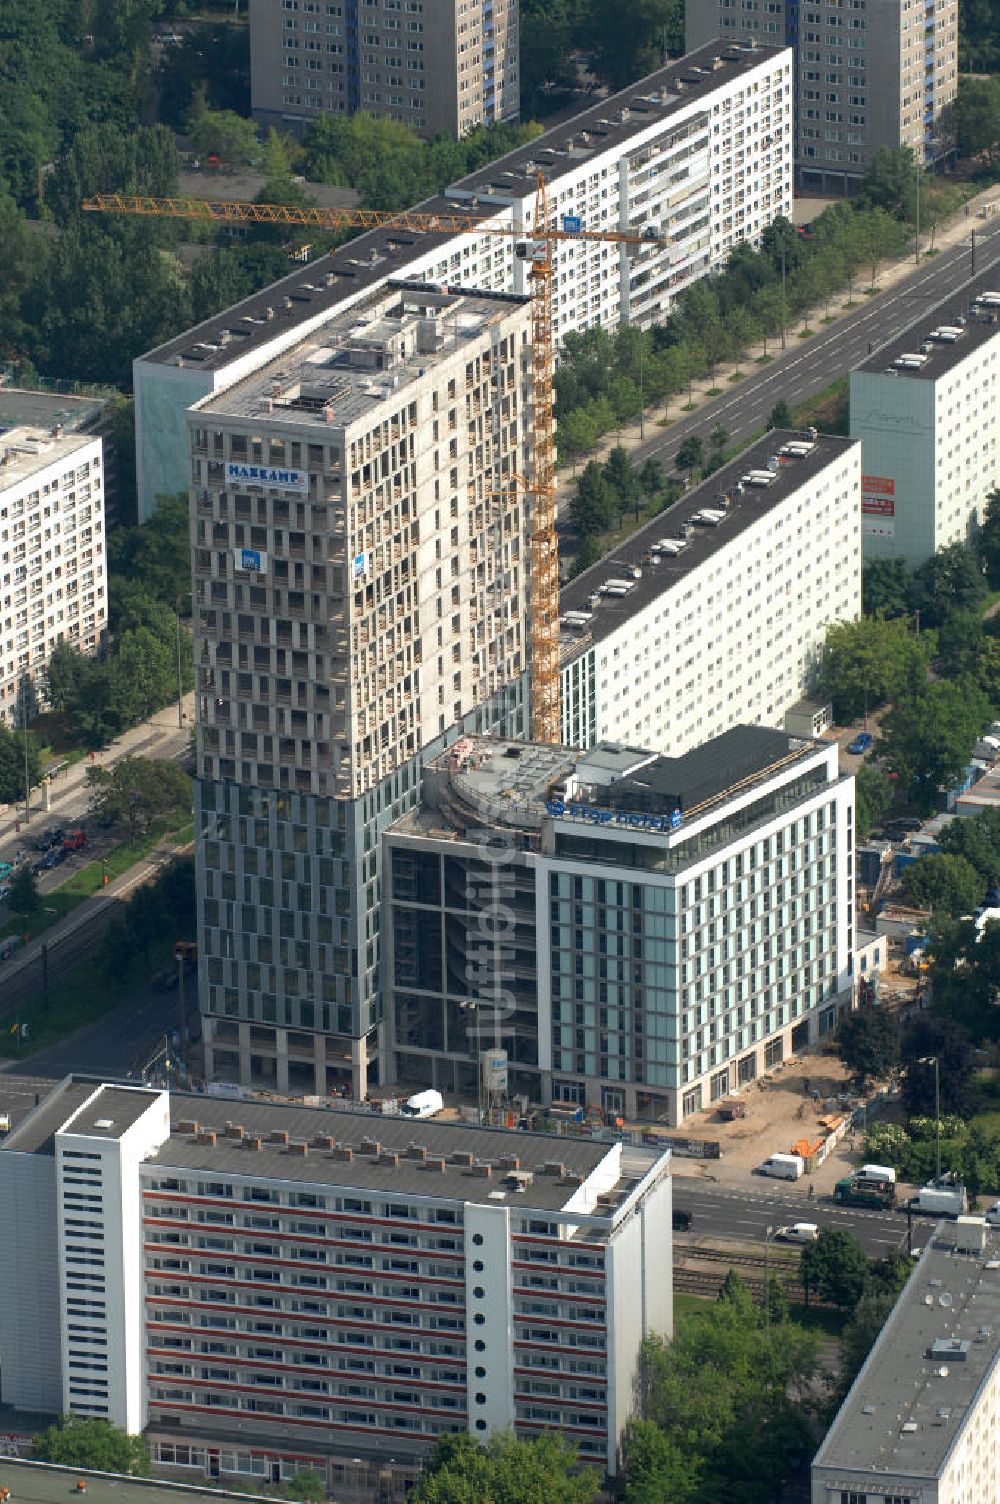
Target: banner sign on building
[(251, 560), (266, 475), (595, 815), (359, 566), (878, 496)]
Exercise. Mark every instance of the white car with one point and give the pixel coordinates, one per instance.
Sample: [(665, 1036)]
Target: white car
[(797, 1232)]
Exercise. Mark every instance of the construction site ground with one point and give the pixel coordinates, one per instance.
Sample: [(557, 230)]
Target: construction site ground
[(780, 1109)]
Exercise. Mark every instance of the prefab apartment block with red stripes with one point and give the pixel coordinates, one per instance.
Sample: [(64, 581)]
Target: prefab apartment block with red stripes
[(262, 1287)]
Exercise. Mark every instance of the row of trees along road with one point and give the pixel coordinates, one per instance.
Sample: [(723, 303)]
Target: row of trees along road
[(924, 649)]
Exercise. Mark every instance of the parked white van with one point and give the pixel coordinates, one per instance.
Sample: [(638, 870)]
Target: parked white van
[(423, 1104)]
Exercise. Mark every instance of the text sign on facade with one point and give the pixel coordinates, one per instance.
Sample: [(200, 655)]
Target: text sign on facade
[(572, 224), (878, 495), (267, 475), (595, 815), (251, 560)]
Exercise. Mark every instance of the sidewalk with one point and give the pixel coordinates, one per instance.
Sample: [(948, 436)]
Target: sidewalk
[(67, 793), (658, 419)]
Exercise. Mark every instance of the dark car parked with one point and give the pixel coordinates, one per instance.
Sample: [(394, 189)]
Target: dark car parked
[(681, 1220)]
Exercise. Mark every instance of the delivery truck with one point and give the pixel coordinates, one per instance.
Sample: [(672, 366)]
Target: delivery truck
[(940, 1201), (858, 1191), (783, 1166)]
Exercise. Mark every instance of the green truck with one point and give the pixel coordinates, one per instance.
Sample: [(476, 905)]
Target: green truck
[(852, 1192)]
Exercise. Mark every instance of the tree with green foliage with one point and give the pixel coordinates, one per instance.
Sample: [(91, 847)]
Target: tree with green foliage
[(156, 557), (621, 475), (12, 763), (628, 42), (224, 134), (78, 1441), (928, 1037), (723, 1415), (977, 840), (781, 415), (834, 1267), (868, 1043), (942, 883), (505, 1471), (105, 158), (974, 119), (24, 897), (950, 581), (886, 585), (135, 792), (988, 541), (870, 662), (859, 1334), (691, 454), (874, 795), (927, 739), (890, 182), (594, 508)]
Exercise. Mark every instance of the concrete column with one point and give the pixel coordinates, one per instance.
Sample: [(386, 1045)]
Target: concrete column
[(246, 1075), (319, 1065), (359, 1068), (281, 1061)]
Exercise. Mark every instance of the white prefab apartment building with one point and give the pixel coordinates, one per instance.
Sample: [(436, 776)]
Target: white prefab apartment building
[(921, 1424), (361, 594), (633, 933), (263, 1288), (927, 407), (700, 152), (53, 584), (715, 612)]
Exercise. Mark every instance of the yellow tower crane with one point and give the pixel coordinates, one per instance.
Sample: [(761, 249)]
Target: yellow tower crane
[(534, 245)]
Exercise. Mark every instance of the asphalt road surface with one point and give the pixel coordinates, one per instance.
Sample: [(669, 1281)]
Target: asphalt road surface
[(807, 367), (745, 1216), (114, 1047)]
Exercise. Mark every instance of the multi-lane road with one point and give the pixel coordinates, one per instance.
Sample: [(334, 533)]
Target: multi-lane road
[(807, 367), (744, 1216)]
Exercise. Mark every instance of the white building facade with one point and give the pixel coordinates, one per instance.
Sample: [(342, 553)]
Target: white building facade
[(927, 408), (334, 1291), (701, 622), (53, 577), (672, 928), (922, 1419), (699, 152)]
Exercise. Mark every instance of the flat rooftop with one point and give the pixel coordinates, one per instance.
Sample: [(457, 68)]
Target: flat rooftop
[(396, 1136), (21, 408), (511, 781), (373, 350), (117, 1107), (740, 756), (366, 261), (663, 571), (27, 449), (942, 357), (40, 1483), (909, 1402)]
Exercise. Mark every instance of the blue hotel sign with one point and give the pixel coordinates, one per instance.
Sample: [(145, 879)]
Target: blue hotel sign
[(630, 819)]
